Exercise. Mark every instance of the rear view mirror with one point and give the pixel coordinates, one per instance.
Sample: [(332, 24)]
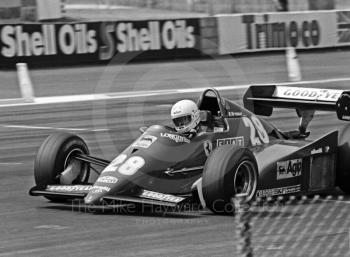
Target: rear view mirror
[(343, 106)]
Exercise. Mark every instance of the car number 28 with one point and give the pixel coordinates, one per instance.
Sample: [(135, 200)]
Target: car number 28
[(255, 126), (125, 166)]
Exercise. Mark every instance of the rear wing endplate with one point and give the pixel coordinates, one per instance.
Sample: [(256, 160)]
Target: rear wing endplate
[(261, 99)]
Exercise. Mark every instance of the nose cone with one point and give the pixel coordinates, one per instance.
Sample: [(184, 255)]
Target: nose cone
[(102, 187), (95, 195)]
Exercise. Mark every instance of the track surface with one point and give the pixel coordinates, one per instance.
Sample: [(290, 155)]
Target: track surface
[(33, 227)]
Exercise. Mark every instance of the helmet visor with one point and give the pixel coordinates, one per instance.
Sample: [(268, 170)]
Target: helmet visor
[(182, 121)]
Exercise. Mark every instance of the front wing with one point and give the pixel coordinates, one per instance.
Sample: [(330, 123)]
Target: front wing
[(145, 197)]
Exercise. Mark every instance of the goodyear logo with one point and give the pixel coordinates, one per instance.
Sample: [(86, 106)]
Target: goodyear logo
[(176, 138), (161, 197), (69, 188)]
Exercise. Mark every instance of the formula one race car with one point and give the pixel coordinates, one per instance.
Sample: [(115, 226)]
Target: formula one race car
[(236, 152)]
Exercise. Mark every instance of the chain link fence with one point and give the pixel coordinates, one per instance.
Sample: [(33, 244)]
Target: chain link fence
[(290, 226)]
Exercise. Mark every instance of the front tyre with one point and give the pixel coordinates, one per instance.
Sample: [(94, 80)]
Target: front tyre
[(343, 164), (228, 171), (57, 155)]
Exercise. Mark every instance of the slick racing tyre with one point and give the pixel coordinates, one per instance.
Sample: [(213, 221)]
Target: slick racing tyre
[(228, 171), (343, 163), (55, 155)]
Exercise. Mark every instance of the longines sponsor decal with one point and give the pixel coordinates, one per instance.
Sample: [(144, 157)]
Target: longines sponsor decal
[(176, 138), (278, 191), (266, 34), (48, 39), (231, 141), (289, 169), (125, 37)]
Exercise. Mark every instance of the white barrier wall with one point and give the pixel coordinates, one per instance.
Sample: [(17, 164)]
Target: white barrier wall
[(206, 6), (48, 9), (37, 10), (276, 31)]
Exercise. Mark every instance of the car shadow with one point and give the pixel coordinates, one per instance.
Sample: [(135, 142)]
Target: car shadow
[(266, 209), (131, 210)]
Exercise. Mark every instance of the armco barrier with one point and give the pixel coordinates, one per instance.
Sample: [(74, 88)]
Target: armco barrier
[(276, 31), (93, 42), (211, 6)]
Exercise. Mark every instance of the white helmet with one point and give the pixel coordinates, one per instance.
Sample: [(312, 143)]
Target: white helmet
[(185, 115)]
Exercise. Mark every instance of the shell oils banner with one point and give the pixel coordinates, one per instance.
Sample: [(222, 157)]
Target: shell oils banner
[(93, 42)]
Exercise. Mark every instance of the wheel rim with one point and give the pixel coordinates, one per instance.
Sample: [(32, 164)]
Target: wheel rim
[(75, 164), (245, 179)]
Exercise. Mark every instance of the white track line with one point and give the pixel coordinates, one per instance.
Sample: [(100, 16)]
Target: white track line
[(100, 130), (9, 213), (40, 127), (11, 163), (50, 128), (51, 226), (135, 94), (96, 7)]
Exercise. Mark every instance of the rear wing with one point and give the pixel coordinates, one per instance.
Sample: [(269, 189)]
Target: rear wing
[(262, 99)]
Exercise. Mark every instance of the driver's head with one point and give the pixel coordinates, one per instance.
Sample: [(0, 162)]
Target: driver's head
[(185, 115)]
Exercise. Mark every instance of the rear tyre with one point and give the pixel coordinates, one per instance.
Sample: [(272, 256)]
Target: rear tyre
[(55, 154), (343, 163), (228, 171)]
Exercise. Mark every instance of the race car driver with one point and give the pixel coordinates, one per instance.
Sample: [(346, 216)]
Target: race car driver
[(186, 117)]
